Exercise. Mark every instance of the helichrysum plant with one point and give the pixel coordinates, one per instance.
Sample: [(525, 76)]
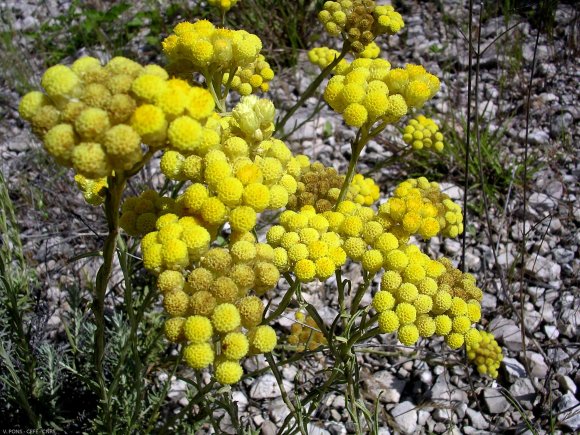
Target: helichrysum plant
[(213, 274)]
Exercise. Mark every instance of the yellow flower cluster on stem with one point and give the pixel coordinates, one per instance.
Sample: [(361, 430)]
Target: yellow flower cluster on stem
[(422, 132), (359, 21), (203, 48), (212, 311)]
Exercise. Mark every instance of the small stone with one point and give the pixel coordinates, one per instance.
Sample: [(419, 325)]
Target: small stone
[(538, 366), (405, 416), (452, 247), (560, 125), (495, 401), (240, 399), (567, 384), (289, 372), (542, 268), (443, 414), (532, 320), (387, 385), (563, 256), (336, 429), (551, 332), (268, 428), (426, 377), (535, 137), (335, 415), (541, 202), (278, 410), (339, 402), (266, 387), (506, 331), (567, 408), (524, 392), (477, 419), (316, 430)]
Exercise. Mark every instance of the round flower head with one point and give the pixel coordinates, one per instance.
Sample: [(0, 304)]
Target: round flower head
[(262, 339), (235, 346), (174, 329), (170, 280), (251, 311), (408, 334), (225, 318), (388, 321), (383, 301), (197, 329), (228, 372), (202, 303), (198, 356), (176, 303)]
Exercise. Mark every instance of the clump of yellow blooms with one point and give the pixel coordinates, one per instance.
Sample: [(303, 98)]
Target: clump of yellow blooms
[(324, 56), (212, 310), (95, 118), (251, 78), (304, 334), (369, 91), (310, 250), (319, 186), (225, 5), (93, 190), (419, 207), (428, 297), (359, 21), (139, 214), (371, 51), (201, 47), (422, 132), (484, 352)]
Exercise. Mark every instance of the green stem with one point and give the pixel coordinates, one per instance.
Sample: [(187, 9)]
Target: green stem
[(313, 87), (361, 139), (297, 413), (112, 204), (211, 88), (360, 293), (285, 300)]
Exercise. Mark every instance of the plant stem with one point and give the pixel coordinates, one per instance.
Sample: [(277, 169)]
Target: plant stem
[(112, 203), (361, 139), (313, 87)]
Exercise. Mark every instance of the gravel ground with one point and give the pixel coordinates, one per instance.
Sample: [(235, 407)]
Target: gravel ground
[(429, 390)]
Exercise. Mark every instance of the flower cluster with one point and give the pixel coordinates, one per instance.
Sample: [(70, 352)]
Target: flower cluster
[(84, 119), (484, 352), (304, 334), (416, 300), (361, 94), (139, 214), (369, 90), (419, 207), (100, 115), (324, 56), (201, 47), (225, 5), (251, 78), (213, 312), (422, 132), (361, 21), (313, 251), (371, 51), (93, 190), (319, 186), (252, 119)]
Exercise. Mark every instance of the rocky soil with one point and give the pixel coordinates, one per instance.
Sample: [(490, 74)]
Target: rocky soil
[(522, 245)]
